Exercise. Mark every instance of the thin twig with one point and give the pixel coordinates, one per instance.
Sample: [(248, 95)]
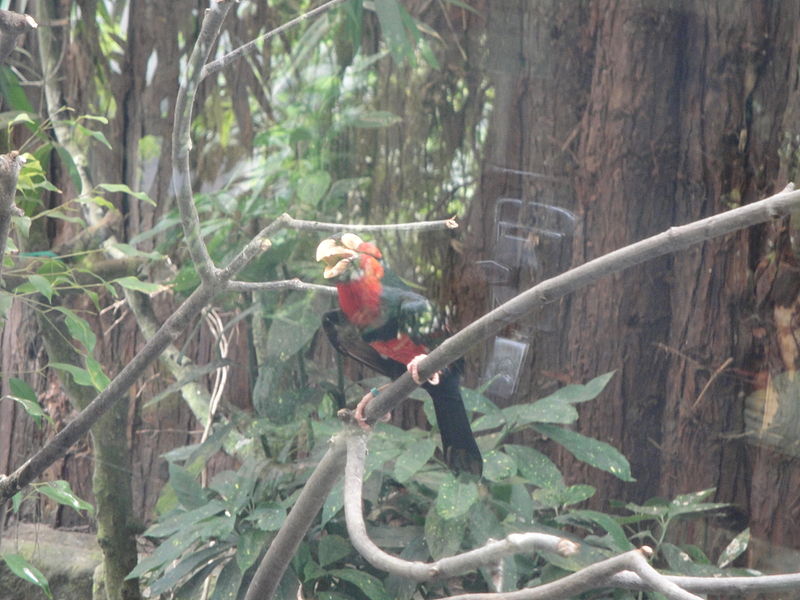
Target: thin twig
[(287, 284), (254, 45)]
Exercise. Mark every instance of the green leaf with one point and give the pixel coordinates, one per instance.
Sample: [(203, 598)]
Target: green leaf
[(593, 452), (189, 491), (369, 585), (498, 466), (12, 91), (534, 466), (228, 582), (61, 492), (79, 374), (575, 393), (135, 284), (607, 522), (183, 568), (333, 503), (99, 379), (168, 551), (99, 136), (391, 20), (413, 458), (25, 570), (249, 547), (313, 186), (735, 549), (21, 390), (267, 518), (546, 410), (182, 520), (692, 504), (24, 395), (124, 189), (78, 328), (443, 536), (455, 498), (333, 548), (42, 285)]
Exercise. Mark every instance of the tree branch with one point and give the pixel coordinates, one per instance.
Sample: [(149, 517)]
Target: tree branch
[(446, 567), (282, 549), (673, 240), (10, 165), (668, 242), (181, 139), (254, 45), (12, 25), (594, 577)]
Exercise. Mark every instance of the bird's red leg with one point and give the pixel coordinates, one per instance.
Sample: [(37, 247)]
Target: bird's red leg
[(413, 368)]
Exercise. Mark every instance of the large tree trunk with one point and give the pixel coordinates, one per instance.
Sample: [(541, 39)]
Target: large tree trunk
[(638, 116)]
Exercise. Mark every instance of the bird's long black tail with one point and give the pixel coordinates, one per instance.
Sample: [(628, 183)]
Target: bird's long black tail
[(461, 453)]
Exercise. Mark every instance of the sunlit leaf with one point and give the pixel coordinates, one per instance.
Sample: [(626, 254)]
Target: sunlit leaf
[(42, 285), (79, 374), (78, 328), (132, 283), (593, 452), (124, 189), (61, 492), (25, 570), (455, 498), (735, 549)]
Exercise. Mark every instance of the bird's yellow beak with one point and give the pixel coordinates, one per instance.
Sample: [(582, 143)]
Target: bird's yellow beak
[(337, 254)]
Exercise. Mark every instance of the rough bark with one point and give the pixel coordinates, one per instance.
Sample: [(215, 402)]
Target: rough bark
[(678, 111)]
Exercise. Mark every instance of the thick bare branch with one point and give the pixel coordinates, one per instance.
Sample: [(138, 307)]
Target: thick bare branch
[(739, 586), (10, 165), (12, 25), (670, 241), (181, 139), (446, 567), (174, 326), (305, 509)]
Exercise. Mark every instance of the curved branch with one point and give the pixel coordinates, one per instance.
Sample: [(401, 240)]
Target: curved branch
[(181, 139), (273, 565), (450, 566)]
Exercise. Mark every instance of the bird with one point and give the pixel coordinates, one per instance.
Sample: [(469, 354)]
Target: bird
[(395, 328)]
